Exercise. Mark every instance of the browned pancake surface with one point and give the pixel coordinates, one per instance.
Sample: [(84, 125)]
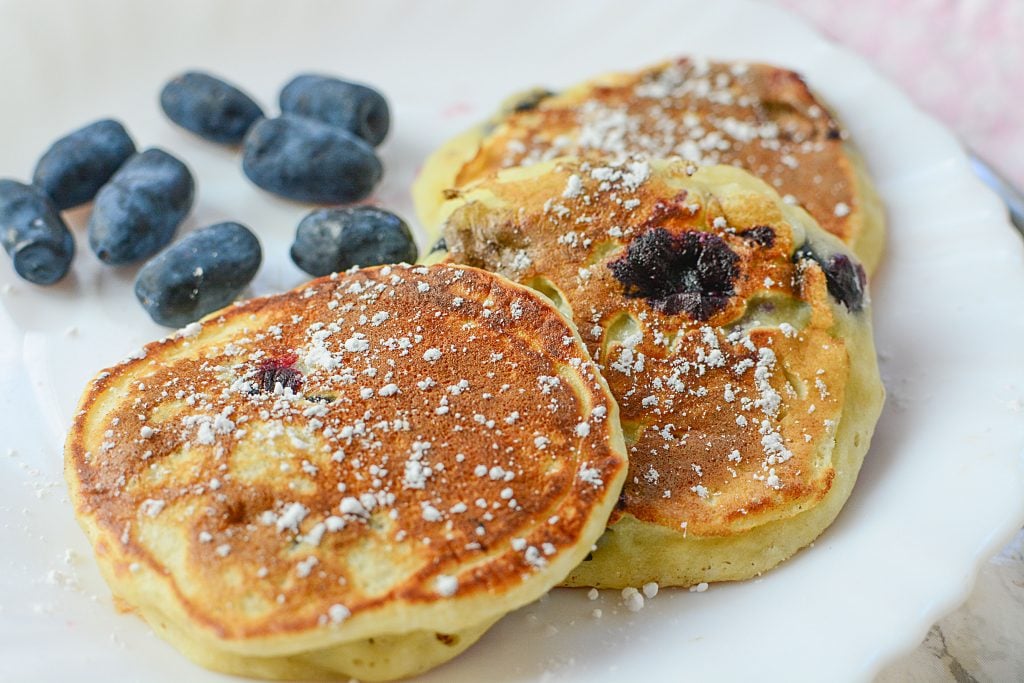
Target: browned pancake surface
[(760, 117), (394, 436), (716, 341)]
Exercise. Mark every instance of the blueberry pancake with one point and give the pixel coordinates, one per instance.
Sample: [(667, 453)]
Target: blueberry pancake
[(760, 117), (355, 478), (734, 333)]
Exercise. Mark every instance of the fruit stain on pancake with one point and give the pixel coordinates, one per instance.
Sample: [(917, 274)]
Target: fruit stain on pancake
[(734, 333), (354, 478)]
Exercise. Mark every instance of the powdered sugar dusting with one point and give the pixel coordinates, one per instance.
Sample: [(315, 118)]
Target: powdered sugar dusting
[(762, 118), (713, 406), (301, 432)]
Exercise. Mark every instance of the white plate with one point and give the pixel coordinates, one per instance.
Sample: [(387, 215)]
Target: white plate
[(943, 485)]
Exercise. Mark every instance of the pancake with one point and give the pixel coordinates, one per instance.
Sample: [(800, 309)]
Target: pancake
[(355, 478), (734, 333), (760, 117)]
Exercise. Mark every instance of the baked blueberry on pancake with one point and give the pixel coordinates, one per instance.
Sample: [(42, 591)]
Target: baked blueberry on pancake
[(760, 117), (734, 333), (355, 478)]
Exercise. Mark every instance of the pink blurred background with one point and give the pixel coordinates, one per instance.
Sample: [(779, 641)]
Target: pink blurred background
[(960, 60)]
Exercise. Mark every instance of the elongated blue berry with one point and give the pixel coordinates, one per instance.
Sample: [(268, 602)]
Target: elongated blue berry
[(33, 233), (357, 108), (75, 167), (209, 107), (137, 213), (201, 273), (309, 161), (334, 240)]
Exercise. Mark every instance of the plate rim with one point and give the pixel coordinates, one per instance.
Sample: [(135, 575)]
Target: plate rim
[(974, 193)]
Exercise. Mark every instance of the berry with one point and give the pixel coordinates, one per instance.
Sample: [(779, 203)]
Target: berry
[(334, 240), (845, 278), (280, 370), (209, 107), (763, 235), (359, 109), (309, 161), (528, 100), (75, 167), (139, 210), (33, 233), (201, 273), (692, 272)]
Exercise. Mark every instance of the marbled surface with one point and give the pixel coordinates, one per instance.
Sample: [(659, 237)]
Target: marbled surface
[(981, 641)]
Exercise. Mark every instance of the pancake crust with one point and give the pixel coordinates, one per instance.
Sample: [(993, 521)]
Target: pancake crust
[(357, 477), (760, 117), (748, 392)]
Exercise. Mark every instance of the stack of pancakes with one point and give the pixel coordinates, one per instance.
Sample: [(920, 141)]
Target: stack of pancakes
[(359, 477), (703, 224)]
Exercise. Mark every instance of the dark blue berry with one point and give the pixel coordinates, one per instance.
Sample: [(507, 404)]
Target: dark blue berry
[(201, 273), (763, 235), (139, 210), (209, 107), (692, 272), (844, 277), (359, 109), (75, 167), (309, 161), (33, 233), (278, 370), (334, 240), (528, 100)]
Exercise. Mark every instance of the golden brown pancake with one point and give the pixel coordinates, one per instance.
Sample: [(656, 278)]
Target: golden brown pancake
[(355, 478), (760, 117), (734, 333)]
